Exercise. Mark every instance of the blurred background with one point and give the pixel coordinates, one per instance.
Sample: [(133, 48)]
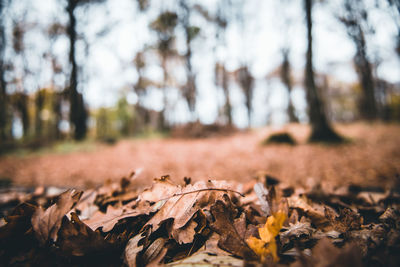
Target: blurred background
[(72, 69), (90, 89)]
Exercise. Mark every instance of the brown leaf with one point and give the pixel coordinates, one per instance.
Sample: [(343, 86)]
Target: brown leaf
[(346, 221), (160, 189), (153, 252), (314, 212), (77, 239), (47, 223), (185, 234), (296, 231), (108, 220), (230, 239), (183, 205), (133, 248)]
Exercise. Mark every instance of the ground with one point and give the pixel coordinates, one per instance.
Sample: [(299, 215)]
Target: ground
[(371, 157)]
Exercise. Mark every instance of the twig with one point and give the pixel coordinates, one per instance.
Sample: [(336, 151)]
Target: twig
[(201, 190)]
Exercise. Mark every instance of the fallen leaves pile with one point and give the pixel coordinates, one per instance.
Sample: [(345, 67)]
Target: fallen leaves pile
[(206, 223)]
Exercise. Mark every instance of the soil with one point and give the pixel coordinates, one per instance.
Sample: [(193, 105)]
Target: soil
[(370, 158)]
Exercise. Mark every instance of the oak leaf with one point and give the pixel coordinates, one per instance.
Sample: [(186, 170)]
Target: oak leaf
[(47, 223), (108, 220)]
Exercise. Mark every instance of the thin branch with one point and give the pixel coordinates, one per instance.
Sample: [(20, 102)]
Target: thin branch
[(201, 190)]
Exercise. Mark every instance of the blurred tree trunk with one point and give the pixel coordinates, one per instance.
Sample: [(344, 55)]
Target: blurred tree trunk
[(39, 102), (396, 5), (4, 112), (353, 18), (246, 82), (56, 107), (368, 107), (189, 89), (20, 103), (162, 120), (221, 80), (78, 113), (321, 131), (286, 79)]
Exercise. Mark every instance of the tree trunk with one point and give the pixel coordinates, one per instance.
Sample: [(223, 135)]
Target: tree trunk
[(285, 77), (4, 115), (228, 105), (321, 131), (39, 102), (368, 107), (78, 113), (189, 90)]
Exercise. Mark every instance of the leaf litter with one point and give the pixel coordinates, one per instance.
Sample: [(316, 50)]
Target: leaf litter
[(206, 223)]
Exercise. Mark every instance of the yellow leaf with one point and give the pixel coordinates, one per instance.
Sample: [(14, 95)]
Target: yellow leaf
[(258, 246), (267, 244)]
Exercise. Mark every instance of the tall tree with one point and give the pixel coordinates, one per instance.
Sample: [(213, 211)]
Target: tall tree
[(189, 89), (222, 80), (224, 13), (78, 112), (355, 18), (320, 127), (287, 80), (164, 26), (246, 82), (3, 94), (396, 16)]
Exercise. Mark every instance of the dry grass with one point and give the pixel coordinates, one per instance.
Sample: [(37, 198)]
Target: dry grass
[(372, 158)]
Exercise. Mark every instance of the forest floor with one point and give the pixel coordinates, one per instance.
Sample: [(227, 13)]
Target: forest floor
[(371, 158)]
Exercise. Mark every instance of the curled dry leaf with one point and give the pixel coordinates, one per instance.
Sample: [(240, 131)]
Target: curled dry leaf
[(133, 248), (155, 252), (47, 223)]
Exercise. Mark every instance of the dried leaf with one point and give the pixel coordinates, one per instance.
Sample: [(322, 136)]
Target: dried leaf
[(295, 231), (183, 205), (47, 223), (266, 244), (346, 221), (154, 250), (108, 220), (230, 239), (133, 248), (315, 212), (185, 234), (77, 239)]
